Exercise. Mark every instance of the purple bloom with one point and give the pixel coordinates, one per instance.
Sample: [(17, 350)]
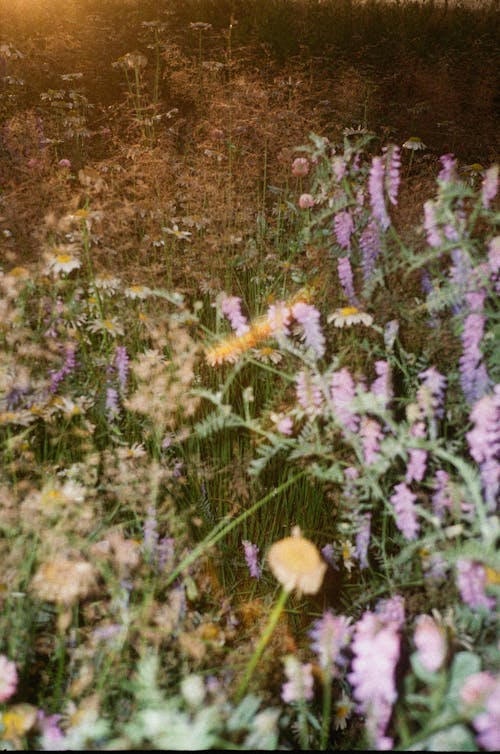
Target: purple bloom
[(376, 647), (8, 678), (371, 434), (430, 395), (471, 582), (231, 307), (417, 465), (391, 610), (489, 186), (112, 407), (484, 443), (441, 499), (448, 172), (308, 316), (430, 641), (52, 737), (494, 261), (403, 500), (342, 392), (473, 375), (363, 540), (376, 189), (251, 557), (343, 225), (346, 279), (69, 364), (370, 246), (430, 224), (393, 177), (122, 366), (309, 393), (330, 634), (381, 386), (165, 553), (487, 723), (328, 553)]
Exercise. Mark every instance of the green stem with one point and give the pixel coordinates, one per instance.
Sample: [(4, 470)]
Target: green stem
[(327, 707), (264, 639)]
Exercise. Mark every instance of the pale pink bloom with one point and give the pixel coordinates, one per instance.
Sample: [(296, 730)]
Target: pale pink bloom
[(306, 201), (376, 189), (284, 424), (300, 681), (382, 387), (8, 678), (376, 647), (391, 610), (279, 316), (300, 167), (403, 500), (489, 186), (344, 226), (231, 307), (342, 393), (393, 177), (487, 723), (308, 316), (330, 634), (477, 687), (430, 224), (371, 434), (309, 393), (64, 163), (430, 641), (471, 581)]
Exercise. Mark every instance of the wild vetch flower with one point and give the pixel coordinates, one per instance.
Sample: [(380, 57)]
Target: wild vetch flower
[(251, 557), (122, 366), (371, 434), (52, 737), (330, 634), (300, 684), (376, 189), (431, 224), (417, 457), (342, 393), (308, 316), (284, 424), (306, 201), (309, 393), (300, 167), (8, 678), (403, 500), (392, 176), (346, 279), (484, 443), (112, 406), (370, 245), (430, 395), (328, 552), (430, 641), (231, 307), (382, 385), (363, 540), (343, 226), (448, 172), (473, 375), (471, 581), (391, 610), (376, 647), (489, 186), (441, 498), (481, 693), (69, 364)]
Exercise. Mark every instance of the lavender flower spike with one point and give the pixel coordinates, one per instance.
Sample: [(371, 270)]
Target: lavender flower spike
[(484, 444), (346, 279), (376, 189), (251, 557), (403, 501)]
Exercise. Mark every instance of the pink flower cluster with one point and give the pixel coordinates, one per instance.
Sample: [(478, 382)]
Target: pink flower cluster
[(484, 443), (8, 678), (231, 307), (481, 692)]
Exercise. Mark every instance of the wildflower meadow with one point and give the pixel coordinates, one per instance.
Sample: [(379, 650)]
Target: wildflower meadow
[(249, 375)]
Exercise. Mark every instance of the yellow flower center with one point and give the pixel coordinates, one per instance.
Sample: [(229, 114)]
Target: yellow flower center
[(63, 258), (347, 311)]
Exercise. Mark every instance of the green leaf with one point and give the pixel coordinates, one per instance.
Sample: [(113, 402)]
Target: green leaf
[(455, 738), (464, 665)]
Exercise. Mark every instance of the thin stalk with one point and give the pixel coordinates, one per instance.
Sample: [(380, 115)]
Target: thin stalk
[(263, 642)]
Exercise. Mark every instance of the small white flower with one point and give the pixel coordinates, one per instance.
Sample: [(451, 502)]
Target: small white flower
[(111, 326), (107, 282), (414, 143), (137, 292), (349, 315), (180, 235), (63, 262)]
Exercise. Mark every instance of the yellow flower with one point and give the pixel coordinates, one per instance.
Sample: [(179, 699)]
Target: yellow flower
[(17, 721), (297, 564)]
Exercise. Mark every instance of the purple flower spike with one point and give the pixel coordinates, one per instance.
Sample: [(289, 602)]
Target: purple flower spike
[(376, 189), (252, 559)]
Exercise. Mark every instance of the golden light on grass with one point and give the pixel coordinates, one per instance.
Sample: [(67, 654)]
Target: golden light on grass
[(297, 564)]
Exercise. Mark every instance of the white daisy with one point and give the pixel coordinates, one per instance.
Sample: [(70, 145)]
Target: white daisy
[(63, 262), (349, 315), (414, 143)]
